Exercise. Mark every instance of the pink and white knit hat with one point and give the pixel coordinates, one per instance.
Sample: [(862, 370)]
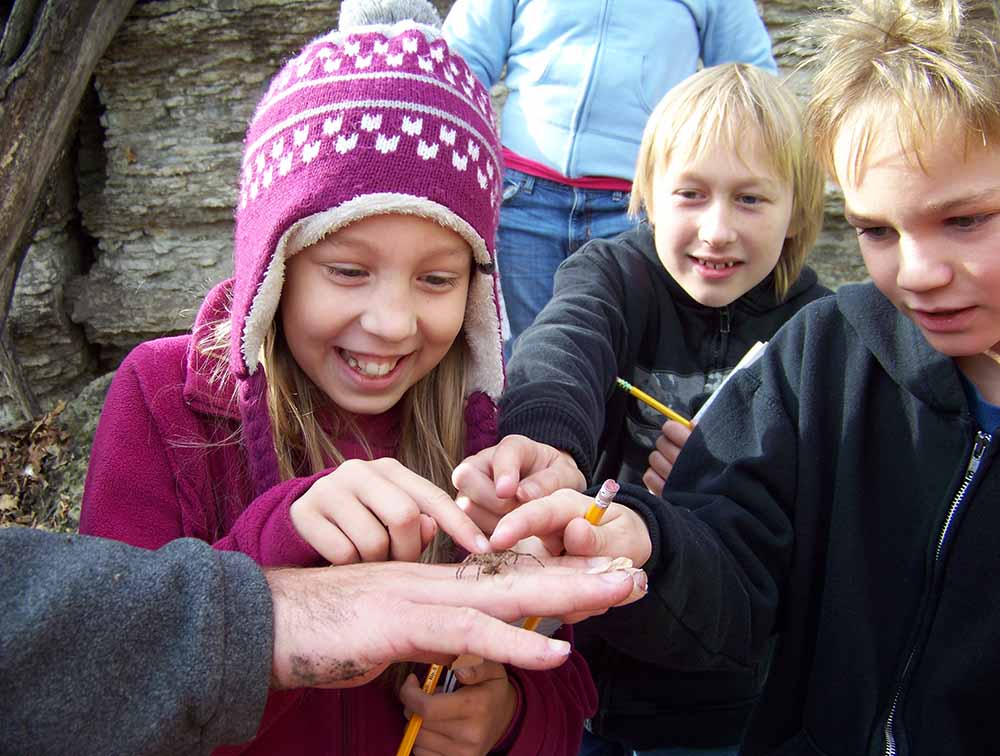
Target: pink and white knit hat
[(366, 120)]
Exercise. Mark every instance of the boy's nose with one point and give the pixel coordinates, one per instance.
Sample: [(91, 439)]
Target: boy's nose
[(920, 267), (390, 316), (715, 228)]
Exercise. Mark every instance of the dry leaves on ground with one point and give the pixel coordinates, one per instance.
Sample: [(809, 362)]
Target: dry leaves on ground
[(30, 457)]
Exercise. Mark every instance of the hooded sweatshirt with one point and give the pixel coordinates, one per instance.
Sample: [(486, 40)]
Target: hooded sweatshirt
[(374, 118), (841, 497), (616, 311)]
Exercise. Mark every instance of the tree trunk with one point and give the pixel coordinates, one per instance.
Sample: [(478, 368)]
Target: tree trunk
[(48, 53)]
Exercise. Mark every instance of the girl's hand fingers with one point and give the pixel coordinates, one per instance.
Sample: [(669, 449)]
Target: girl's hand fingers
[(485, 518), (407, 692), (479, 673), (437, 741), (432, 501), (364, 527), (428, 529), (324, 536), (398, 516)]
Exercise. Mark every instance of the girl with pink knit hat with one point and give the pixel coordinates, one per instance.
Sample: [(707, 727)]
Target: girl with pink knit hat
[(328, 389)]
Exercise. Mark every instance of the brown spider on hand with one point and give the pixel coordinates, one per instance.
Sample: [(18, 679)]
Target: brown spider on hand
[(493, 563)]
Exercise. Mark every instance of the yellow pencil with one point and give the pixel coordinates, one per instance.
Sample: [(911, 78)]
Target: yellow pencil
[(645, 398), (413, 726), (594, 514)]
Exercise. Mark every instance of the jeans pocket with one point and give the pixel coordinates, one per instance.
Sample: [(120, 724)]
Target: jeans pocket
[(511, 189)]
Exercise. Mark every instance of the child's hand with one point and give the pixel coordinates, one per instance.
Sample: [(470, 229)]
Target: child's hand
[(673, 436), (469, 721), (558, 521), (498, 479), (377, 510)]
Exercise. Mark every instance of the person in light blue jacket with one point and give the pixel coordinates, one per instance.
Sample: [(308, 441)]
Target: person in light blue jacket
[(583, 77)]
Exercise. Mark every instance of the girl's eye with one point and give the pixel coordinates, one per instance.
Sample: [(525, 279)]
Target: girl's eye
[(345, 273), (967, 222), (750, 199), (439, 282), (688, 194)]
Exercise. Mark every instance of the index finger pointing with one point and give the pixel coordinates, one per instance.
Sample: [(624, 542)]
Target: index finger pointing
[(432, 501)]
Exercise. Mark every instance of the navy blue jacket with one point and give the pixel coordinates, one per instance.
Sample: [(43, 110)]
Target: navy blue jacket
[(840, 495)]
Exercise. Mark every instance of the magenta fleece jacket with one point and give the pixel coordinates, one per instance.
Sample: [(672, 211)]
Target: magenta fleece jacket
[(167, 463)]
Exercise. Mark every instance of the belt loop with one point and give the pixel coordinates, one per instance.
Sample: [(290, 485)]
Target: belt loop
[(528, 184)]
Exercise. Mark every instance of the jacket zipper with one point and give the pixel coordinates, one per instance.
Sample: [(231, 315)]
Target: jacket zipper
[(978, 449), (721, 345), (581, 106)]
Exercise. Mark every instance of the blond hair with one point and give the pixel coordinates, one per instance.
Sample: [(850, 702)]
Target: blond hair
[(718, 107), (921, 65)]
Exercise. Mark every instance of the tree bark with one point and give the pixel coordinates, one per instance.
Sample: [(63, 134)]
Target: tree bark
[(48, 53)]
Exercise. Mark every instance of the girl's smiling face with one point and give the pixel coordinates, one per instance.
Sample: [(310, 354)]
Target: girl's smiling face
[(371, 309), (720, 220)]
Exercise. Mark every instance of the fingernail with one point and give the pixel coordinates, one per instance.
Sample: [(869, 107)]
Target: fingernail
[(618, 576), (529, 492), (598, 563), (463, 503), (641, 580), (462, 674), (482, 544), (560, 647)]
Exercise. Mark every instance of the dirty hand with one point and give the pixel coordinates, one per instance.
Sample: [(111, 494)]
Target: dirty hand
[(338, 627), (498, 479), (673, 436), (376, 510), (558, 521), (468, 722)]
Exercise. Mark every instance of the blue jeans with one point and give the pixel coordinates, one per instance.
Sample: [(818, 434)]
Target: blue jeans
[(541, 224), (594, 745)]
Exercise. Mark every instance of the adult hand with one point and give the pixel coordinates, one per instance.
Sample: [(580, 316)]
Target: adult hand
[(377, 510), (468, 722), (558, 521), (673, 436), (498, 479), (341, 626)]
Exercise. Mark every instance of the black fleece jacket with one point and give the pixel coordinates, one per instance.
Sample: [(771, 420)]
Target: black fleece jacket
[(839, 494), (617, 312)]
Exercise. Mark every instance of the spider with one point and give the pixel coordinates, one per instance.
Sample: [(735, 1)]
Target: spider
[(493, 563)]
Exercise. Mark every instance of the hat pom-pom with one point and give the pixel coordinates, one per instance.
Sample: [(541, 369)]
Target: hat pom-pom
[(359, 13)]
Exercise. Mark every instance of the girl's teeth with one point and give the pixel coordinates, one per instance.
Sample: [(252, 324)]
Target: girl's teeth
[(374, 369), (717, 266)]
